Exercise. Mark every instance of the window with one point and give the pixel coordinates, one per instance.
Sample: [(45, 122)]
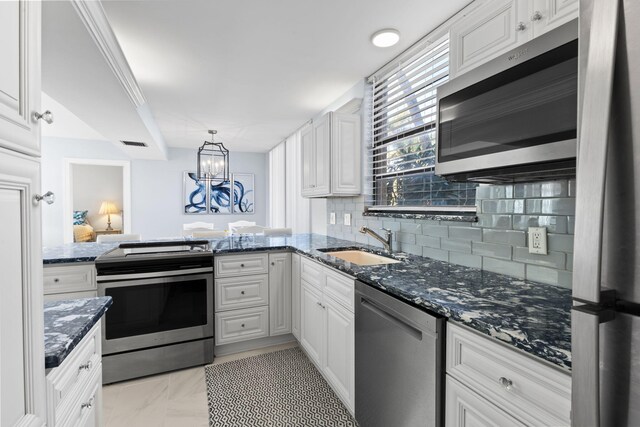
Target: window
[(403, 109)]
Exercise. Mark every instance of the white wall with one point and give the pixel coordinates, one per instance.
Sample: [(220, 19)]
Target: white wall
[(94, 184), (156, 187)]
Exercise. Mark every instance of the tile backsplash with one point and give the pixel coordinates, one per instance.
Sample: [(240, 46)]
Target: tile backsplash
[(497, 242)]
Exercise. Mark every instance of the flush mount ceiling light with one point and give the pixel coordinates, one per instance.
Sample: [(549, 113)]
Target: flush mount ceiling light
[(385, 38), (213, 161)]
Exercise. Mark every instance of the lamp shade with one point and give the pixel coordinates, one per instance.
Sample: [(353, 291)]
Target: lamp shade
[(108, 208)]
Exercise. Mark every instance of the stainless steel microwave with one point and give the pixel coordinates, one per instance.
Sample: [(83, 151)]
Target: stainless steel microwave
[(513, 118)]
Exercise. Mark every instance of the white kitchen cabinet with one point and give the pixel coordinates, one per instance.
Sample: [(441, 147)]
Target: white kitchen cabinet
[(20, 76), (466, 408), (22, 384), (311, 323), (498, 26), (74, 389), (241, 292), (241, 325), (531, 391), (279, 293), (327, 326), (295, 295), (69, 281), (331, 160)]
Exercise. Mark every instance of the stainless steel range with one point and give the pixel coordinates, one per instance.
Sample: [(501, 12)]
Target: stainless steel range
[(162, 313)]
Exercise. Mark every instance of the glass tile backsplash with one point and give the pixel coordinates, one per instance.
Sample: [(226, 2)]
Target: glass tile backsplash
[(497, 242)]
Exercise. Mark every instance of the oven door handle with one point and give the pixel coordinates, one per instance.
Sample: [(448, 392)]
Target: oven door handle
[(136, 276)]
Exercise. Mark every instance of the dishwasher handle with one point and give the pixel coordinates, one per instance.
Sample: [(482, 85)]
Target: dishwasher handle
[(380, 311)]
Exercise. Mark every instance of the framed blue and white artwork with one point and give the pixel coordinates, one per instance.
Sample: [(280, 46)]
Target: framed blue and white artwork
[(243, 194), (220, 198), (194, 194)]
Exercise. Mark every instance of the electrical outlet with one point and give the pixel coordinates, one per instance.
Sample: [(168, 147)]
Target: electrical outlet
[(332, 218), (347, 219), (538, 240)]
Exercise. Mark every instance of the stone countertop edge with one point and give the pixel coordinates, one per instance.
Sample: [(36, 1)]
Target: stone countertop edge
[(533, 317), (66, 323)]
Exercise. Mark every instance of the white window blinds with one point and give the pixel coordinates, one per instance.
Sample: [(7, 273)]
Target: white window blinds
[(403, 133)]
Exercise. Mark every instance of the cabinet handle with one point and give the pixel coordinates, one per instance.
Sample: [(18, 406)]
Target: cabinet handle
[(506, 383), (47, 116), (320, 304), (48, 197), (87, 405), (521, 26), (537, 16), (86, 366)]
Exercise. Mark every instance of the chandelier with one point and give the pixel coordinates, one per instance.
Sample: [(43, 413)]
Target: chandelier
[(213, 161)]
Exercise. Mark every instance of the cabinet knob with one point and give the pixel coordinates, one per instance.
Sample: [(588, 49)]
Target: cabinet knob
[(87, 405), (56, 280), (47, 116), (242, 325), (537, 16), (86, 366), (521, 26), (506, 383), (273, 263), (241, 292), (241, 265), (48, 197), (312, 186)]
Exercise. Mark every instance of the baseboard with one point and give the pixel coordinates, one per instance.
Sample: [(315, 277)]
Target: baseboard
[(239, 347)]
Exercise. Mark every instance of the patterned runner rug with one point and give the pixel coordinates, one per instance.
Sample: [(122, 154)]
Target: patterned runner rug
[(281, 388)]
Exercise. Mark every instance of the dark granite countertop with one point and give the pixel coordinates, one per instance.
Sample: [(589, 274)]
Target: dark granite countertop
[(533, 317), (66, 323)]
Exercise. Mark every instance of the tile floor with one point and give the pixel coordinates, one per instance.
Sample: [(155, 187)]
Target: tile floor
[(173, 399)]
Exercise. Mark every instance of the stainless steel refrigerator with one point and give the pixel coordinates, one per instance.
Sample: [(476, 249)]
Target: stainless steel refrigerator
[(606, 280)]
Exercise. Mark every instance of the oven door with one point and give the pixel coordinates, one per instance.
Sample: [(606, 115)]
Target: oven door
[(153, 312)]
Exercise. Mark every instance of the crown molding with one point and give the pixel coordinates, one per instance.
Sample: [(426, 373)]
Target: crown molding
[(95, 20)]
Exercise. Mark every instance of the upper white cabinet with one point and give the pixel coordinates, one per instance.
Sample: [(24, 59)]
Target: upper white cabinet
[(331, 161), (20, 75), (498, 26)]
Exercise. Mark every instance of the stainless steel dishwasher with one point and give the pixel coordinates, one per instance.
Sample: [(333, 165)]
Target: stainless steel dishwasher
[(399, 351)]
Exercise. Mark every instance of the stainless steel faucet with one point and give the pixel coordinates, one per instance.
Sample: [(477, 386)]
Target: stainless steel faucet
[(386, 241)]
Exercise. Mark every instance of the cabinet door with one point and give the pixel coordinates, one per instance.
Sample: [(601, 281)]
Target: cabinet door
[(486, 32), (311, 323), (339, 360), (465, 408), (20, 75), (308, 161), (279, 293), (345, 154), (22, 388), (322, 155), (295, 295), (549, 14)]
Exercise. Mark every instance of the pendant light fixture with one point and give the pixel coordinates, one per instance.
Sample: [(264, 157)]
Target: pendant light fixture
[(213, 161)]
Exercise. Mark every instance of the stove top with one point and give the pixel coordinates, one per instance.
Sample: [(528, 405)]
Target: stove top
[(155, 256)]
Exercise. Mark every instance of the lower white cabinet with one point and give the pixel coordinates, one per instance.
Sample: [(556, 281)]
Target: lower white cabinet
[(295, 295), (74, 389), (279, 293), (494, 382), (69, 281), (241, 325), (466, 408), (327, 327)]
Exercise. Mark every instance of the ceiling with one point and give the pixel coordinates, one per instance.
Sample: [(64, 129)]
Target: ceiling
[(254, 70)]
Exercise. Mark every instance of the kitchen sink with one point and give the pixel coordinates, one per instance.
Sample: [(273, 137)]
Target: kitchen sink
[(362, 257)]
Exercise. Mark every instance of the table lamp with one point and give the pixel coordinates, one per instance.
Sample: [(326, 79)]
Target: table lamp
[(108, 208)]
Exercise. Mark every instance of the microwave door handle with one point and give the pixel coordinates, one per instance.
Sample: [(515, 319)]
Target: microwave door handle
[(592, 150)]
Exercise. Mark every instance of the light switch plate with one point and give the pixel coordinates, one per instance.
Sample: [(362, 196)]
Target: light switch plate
[(347, 219), (538, 240), (332, 218)]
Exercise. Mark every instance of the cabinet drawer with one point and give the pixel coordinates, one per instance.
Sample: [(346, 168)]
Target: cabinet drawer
[(70, 295), (245, 264), (340, 288), (65, 382), (465, 408), (83, 410), (240, 292), (241, 325), (70, 278), (312, 272), (538, 394)]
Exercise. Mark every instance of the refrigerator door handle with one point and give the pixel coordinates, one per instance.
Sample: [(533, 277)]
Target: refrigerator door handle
[(592, 149)]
